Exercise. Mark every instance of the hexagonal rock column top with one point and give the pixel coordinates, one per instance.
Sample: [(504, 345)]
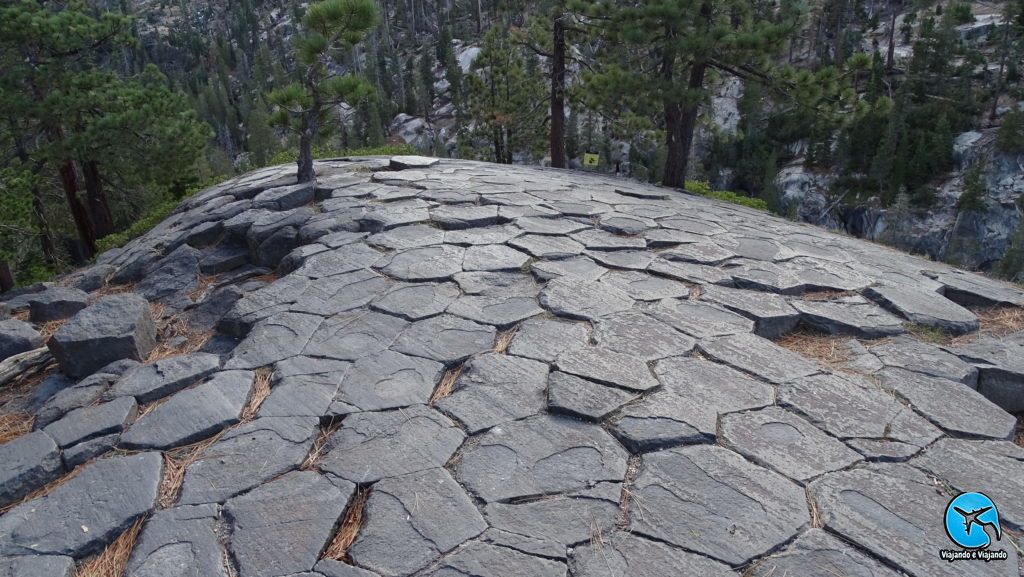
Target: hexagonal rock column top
[(824, 553), (627, 554), (540, 455), (710, 500), (115, 327)]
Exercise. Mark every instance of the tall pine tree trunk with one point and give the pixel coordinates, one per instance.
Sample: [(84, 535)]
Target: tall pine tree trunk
[(890, 59), (558, 95), (99, 208), (69, 181), (305, 161)]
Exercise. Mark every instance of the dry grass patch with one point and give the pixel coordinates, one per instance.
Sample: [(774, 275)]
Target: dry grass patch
[(14, 425), (110, 289), (816, 345), (113, 561), (447, 384), (260, 392), (504, 339), (816, 521), (175, 462), (269, 278), (351, 523), (174, 335), (48, 328), (21, 315), (203, 284), (1018, 433), (319, 448)]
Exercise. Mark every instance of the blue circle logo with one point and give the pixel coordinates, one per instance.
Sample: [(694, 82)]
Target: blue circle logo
[(967, 518)]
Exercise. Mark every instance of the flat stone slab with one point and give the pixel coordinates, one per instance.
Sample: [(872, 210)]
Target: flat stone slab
[(771, 313), (177, 539), (447, 339), (925, 358), (484, 560), (384, 216), (247, 456), (818, 549), (93, 421), (487, 283), (273, 339), (56, 303), (699, 320), (492, 257), (483, 235), (883, 507), (17, 337), (494, 389), (412, 162), (37, 566), (540, 455), (407, 237), (784, 442), (410, 521), (758, 356), (1000, 365), (114, 327), (549, 226), (547, 247), (435, 263), (645, 287), (85, 514), (418, 301), (630, 260), (297, 513), (849, 315), (642, 336), (596, 239), (734, 511), (690, 272), (571, 395), (354, 334), (456, 217), (30, 462), (609, 367), (380, 445), (579, 267), (544, 340), (925, 307), (499, 311), (581, 299), (387, 380), (156, 380), (969, 289), (628, 554), (284, 197), (192, 415), (705, 253)]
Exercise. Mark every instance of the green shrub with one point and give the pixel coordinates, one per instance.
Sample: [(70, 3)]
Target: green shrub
[(139, 227), (704, 189), (1010, 138)]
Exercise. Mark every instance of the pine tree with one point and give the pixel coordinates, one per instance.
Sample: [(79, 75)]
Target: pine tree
[(329, 27)]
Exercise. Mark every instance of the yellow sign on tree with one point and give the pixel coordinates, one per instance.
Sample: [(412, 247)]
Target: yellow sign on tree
[(590, 159)]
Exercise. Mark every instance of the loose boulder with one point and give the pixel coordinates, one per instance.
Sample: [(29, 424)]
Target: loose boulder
[(115, 327)]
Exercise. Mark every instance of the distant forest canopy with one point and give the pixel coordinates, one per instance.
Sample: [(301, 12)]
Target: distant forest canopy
[(106, 128)]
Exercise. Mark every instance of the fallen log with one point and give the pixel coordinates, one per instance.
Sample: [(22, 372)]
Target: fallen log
[(27, 364)]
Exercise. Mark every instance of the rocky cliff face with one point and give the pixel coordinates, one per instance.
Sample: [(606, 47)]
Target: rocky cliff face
[(425, 367)]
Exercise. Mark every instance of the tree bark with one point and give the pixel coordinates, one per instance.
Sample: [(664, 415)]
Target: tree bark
[(6, 278), (69, 181), (305, 162), (558, 95), (1005, 48), (99, 208), (680, 124), (890, 59)]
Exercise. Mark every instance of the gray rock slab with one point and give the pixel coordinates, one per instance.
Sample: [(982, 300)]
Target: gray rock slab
[(17, 337), (222, 259), (958, 462), (332, 568), (771, 313), (407, 237), (412, 520), (484, 235), (455, 217), (627, 554), (114, 327), (549, 226), (344, 259), (56, 303), (818, 552), (88, 450), (387, 380), (177, 541), (547, 247), (699, 320), (644, 337), (176, 274), (493, 257), (302, 395), (705, 253), (851, 407), (284, 197), (884, 507), (417, 301), (354, 334), (952, 406), (734, 510), (37, 566), (88, 422), (485, 560), (645, 287), (446, 338), (784, 442), (973, 290), (924, 307), (690, 272), (596, 239), (619, 223), (758, 356), (192, 415), (247, 456), (494, 389), (273, 339), (297, 513), (609, 367), (497, 284), (579, 267), (925, 358), (851, 315), (500, 311), (544, 340), (580, 299), (156, 380), (435, 263), (30, 461), (1000, 366), (632, 260), (571, 395), (379, 445), (86, 513), (412, 162), (378, 217), (540, 455)]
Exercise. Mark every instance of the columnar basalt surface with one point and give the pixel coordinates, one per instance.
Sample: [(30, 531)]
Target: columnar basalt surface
[(425, 367)]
